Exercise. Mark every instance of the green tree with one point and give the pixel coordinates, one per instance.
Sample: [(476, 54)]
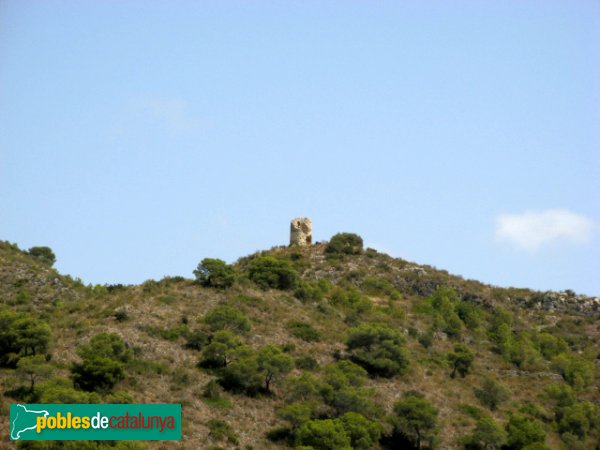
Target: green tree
[(416, 419), (364, 433), (492, 393), (109, 345), (304, 387), (60, 390), (379, 349), (576, 371), (345, 244), (34, 368), (45, 255), (345, 373), (227, 318), (487, 435), (103, 362), (215, 273), (269, 272), (579, 419), (274, 363), (21, 335), (522, 431), (297, 413), (460, 360), (550, 345), (220, 351), (243, 373), (325, 434)]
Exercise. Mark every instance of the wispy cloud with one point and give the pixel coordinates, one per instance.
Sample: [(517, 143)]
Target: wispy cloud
[(531, 230)]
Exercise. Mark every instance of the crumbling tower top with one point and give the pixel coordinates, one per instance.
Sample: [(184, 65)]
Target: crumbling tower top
[(301, 231)]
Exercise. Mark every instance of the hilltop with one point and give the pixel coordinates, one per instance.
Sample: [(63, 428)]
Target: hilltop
[(319, 346)]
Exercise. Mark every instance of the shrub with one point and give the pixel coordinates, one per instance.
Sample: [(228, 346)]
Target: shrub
[(379, 349), (460, 360), (576, 371), (306, 362), (325, 434), (303, 330), (34, 368), (551, 346), (364, 433), (227, 318), (351, 299), (273, 363), (21, 335), (303, 388), (492, 393), (219, 352), (215, 273), (579, 419), (59, 390), (45, 255), (269, 272), (344, 373), (297, 413), (243, 374), (102, 363), (121, 315), (415, 418), (345, 244), (197, 340), (378, 286), (311, 291), (220, 430), (523, 431), (486, 435), (97, 373)]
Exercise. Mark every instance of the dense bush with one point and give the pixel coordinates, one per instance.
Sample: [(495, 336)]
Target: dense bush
[(576, 371), (311, 291), (220, 351), (269, 272), (486, 435), (460, 360), (523, 431), (364, 433), (273, 363), (59, 390), (345, 244), (34, 368), (379, 349), (220, 430), (492, 393), (303, 330), (325, 434), (215, 273), (103, 362), (227, 318), (45, 255), (197, 340), (415, 419), (21, 335)]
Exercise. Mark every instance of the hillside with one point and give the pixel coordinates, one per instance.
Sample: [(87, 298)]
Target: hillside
[(320, 347)]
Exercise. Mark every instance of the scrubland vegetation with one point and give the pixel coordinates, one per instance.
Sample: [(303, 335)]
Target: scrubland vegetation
[(330, 346)]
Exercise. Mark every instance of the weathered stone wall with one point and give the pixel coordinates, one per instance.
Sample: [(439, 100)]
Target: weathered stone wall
[(301, 231)]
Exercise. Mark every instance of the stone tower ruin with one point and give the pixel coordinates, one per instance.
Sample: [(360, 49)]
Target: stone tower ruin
[(301, 231)]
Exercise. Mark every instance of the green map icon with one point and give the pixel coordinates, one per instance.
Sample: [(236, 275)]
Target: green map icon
[(24, 420)]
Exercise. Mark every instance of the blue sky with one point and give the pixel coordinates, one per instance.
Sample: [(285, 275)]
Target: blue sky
[(138, 137)]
